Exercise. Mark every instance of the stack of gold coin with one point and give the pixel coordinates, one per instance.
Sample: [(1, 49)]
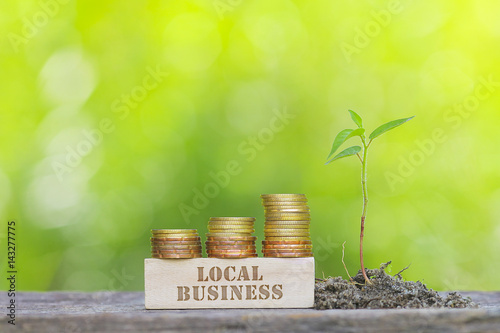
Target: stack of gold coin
[(175, 243), (286, 228), (231, 237)]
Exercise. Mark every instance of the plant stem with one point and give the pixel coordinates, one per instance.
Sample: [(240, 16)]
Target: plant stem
[(365, 204)]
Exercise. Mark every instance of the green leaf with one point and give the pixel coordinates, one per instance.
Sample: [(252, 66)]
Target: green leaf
[(345, 153), (388, 126), (356, 118), (357, 132), (339, 140)]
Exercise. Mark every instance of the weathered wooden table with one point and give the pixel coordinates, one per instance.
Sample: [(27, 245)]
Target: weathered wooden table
[(124, 312)]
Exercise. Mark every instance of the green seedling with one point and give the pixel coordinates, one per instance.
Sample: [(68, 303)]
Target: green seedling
[(362, 153)]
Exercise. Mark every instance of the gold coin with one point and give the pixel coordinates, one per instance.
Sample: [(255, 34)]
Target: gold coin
[(279, 228), (174, 235), (231, 247), (275, 203), (279, 244), (293, 200), (230, 250), (231, 226), (232, 256), (225, 229), (287, 214), (288, 219), (275, 214), (210, 243), (181, 237), (187, 249), (173, 239), (232, 219), (181, 251), (176, 256), (176, 246), (294, 231), (288, 209), (286, 233), (283, 195), (301, 227), (285, 242), (173, 231), (282, 205), (158, 253), (287, 246), (232, 237), (231, 231), (286, 250), (285, 220), (226, 224), (288, 255), (176, 243), (235, 251), (231, 223), (305, 253), (287, 224), (284, 202), (226, 235), (240, 232), (268, 235), (281, 238)]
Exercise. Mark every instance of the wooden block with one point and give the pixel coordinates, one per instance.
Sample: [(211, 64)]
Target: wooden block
[(229, 283)]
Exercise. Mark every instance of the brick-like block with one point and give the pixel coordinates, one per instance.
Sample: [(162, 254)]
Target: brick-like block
[(229, 283)]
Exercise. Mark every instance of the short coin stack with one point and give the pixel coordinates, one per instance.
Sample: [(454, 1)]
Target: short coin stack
[(231, 237), (286, 228), (175, 243)]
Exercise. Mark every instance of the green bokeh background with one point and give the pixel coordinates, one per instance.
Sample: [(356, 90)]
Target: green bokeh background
[(232, 65)]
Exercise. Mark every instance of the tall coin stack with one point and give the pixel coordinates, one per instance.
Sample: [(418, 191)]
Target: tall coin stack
[(286, 228), (231, 237), (175, 243)]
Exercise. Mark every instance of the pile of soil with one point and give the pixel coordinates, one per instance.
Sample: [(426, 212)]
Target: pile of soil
[(385, 292)]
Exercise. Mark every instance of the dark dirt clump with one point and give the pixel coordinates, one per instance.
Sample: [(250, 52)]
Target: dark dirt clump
[(386, 291)]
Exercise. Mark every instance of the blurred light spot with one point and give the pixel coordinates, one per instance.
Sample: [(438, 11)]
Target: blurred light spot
[(54, 195), (250, 105), (421, 18), (446, 77), (51, 203), (72, 148), (275, 29), (241, 54), (192, 41), (57, 129), (487, 12), (495, 211), (4, 190), (67, 77)]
